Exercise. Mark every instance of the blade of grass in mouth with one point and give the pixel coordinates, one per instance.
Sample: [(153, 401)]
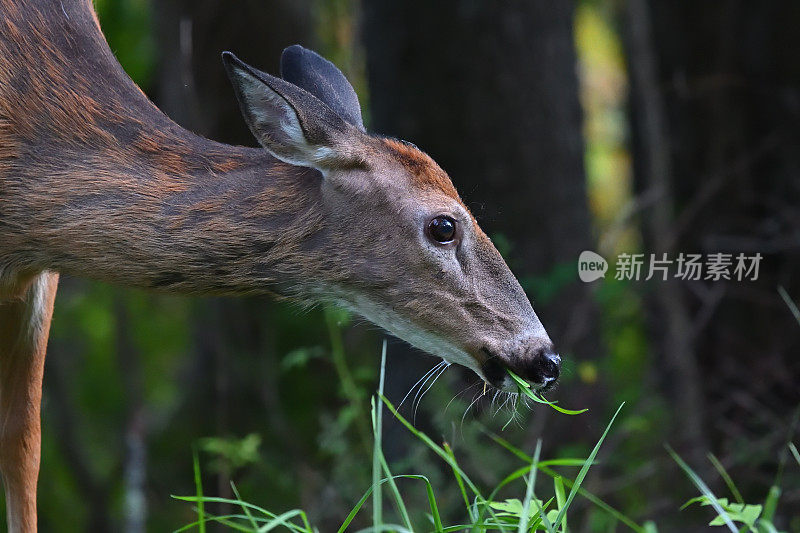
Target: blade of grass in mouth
[(524, 388)]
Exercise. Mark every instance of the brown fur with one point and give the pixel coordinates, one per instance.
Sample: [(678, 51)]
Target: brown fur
[(138, 196), (24, 324), (424, 170)]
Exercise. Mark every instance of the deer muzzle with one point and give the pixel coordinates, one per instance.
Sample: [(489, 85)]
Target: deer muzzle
[(532, 358)]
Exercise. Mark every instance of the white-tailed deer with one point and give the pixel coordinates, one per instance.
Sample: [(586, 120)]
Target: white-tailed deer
[(95, 181)]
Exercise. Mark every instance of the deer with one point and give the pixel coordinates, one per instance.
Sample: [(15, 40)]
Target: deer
[(96, 181)]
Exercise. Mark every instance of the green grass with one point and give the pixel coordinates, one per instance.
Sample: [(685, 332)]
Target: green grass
[(480, 512), (483, 511), (486, 511)]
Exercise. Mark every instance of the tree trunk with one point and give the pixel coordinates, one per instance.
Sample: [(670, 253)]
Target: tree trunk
[(672, 331), (192, 86)]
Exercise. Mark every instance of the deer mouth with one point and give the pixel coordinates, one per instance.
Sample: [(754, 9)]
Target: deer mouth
[(495, 373)]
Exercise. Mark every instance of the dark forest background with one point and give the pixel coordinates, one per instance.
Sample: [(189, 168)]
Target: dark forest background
[(619, 126)]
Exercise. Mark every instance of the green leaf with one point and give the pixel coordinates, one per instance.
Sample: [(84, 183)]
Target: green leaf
[(301, 356), (697, 499), (511, 506)]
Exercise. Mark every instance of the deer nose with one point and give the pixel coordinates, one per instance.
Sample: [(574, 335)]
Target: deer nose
[(541, 367), (551, 366)]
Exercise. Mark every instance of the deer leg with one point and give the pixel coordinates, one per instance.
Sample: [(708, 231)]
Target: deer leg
[(25, 314)]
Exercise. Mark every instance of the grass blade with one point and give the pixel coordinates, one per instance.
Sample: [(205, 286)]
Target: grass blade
[(561, 499), (771, 503), (438, 450), (650, 527), (280, 520), (702, 487), (378, 460), (525, 389), (538, 399), (530, 495), (216, 499), (244, 507), (584, 470), (726, 477), (526, 503), (377, 430), (789, 303), (389, 528), (198, 483), (398, 499), (437, 518), (354, 511), (459, 481), (569, 483), (508, 479), (794, 451), (224, 520)]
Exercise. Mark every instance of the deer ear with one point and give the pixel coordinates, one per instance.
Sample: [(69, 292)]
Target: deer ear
[(292, 124), (312, 72)]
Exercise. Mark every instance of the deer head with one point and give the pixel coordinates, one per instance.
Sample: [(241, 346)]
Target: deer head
[(398, 246)]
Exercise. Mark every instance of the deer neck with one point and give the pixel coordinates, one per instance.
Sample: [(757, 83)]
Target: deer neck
[(171, 211), (95, 180), (128, 196)]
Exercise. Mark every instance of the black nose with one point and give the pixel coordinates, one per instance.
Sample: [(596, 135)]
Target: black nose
[(542, 366), (551, 366)]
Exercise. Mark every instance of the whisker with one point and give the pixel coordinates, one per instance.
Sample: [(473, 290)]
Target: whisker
[(430, 386), (474, 399), (516, 414), (527, 402), (518, 419), (512, 418), (426, 374), (505, 402), (499, 406), (465, 389), (430, 375)]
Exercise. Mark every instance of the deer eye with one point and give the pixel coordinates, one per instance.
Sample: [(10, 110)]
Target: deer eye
[(442, 229)]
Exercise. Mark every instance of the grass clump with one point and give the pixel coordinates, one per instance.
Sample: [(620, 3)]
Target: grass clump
[(482, 511), (488, 511)]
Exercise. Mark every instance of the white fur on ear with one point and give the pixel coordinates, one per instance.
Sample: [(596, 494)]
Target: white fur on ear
[(291, 123), (277, 125)]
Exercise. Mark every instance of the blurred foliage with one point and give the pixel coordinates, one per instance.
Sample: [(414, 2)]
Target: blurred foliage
[(604, 90), (128, 26), (232, 453)]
